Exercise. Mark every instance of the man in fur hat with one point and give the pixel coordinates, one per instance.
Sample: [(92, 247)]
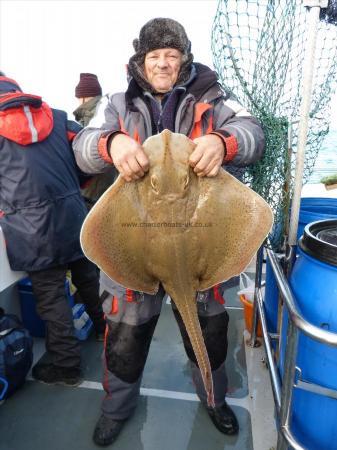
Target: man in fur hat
[(167, 90)]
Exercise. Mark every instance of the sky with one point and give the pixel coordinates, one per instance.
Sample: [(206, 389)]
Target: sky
[(46, 44)]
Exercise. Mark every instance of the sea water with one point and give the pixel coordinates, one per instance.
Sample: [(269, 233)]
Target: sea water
[(326, 162)]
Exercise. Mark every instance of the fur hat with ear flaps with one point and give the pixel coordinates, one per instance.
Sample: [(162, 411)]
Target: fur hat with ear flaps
[(160, 33)]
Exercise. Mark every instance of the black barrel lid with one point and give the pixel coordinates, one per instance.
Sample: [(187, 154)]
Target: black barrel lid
[(319, 240)]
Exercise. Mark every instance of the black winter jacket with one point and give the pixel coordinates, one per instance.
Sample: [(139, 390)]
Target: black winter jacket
[(41, 208)]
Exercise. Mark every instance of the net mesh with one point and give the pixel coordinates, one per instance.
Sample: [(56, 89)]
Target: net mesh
[(258, 50)]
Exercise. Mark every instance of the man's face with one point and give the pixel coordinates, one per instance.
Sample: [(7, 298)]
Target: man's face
[(83, 100), (161, 67)]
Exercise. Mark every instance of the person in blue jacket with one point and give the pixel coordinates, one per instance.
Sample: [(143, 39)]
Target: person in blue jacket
[(41, 214)]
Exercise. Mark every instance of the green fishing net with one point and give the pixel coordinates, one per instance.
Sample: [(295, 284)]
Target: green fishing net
[(258, 50)]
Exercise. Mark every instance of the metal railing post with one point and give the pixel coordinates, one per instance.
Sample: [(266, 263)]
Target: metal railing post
[(287, 383), (258, 279), (273, 372)]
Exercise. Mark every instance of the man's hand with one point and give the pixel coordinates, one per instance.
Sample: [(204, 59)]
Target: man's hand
[(128, 157), (208, 155)]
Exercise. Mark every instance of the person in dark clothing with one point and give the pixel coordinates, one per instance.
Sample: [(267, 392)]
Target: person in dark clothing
[(166, 91), (89, 93), (41, 214)]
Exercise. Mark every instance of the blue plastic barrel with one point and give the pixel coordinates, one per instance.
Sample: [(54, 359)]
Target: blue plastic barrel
[(312, 209), (314, 284)]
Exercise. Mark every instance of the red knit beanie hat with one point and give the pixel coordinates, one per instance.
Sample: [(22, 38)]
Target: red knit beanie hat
[(88, 86)]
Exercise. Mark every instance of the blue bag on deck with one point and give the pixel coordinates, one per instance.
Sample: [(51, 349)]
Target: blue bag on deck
[(16, 355)]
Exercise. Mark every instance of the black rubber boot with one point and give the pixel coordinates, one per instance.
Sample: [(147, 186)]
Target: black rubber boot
[(107, 430), (224, 419), (50, 374)]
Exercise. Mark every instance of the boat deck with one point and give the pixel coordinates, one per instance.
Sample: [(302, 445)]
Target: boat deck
[(169, 415)]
